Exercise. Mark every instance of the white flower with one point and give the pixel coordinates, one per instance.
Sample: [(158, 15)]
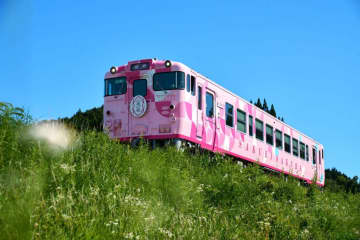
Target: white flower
[(129, 235)]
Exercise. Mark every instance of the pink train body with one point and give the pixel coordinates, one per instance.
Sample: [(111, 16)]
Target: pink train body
[(170, 109)]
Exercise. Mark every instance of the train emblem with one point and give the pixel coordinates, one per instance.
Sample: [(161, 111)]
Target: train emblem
[(138, 106)]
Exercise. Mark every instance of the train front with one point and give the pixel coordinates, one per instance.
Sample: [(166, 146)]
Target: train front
[(142, 99)]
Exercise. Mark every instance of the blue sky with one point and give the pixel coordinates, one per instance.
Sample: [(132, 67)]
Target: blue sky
[(302, 56)]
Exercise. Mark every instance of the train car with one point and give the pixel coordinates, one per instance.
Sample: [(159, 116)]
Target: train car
[(166, 100)]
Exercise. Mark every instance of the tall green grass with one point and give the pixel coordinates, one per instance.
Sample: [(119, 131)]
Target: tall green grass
[(100, 189)]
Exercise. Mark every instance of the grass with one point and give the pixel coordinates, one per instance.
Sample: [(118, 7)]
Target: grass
[(100, 189)]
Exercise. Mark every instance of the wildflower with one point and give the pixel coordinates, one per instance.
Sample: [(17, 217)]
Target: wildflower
[(150, 218), (66, 217), (166, 232), (129, 235), (67, 168)]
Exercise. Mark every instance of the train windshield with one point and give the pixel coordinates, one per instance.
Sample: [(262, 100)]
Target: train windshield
[(115, 86), (169, 81)]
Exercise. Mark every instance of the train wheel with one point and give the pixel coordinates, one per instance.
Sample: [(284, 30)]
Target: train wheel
[(135, 142), (179, 144)]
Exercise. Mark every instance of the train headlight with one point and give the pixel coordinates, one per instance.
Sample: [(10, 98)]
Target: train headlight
[(113, 70), (167, 63)]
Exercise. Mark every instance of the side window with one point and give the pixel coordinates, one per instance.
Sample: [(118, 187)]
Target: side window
[(193, 83), (259, 125), (295, 147), (322, 151), (229, 114), (287, 143), (251, 125), (278, 139), (168, 81), (209, 105), (241, 121), (199, 98), (269, 135), (319, 157), (314, 155), (302, 150), (188, 83), (307, 152), (140, 87)]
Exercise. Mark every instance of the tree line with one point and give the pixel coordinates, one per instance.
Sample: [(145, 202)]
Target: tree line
[(91, 119)]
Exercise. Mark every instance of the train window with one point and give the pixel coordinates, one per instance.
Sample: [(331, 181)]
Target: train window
[(115, 86), (193, 83), (314, 155), (188, 83), (229, 114), (302, 150), (241, 121), (287, 143), (319, 157), (307, 152), (168, 81), (295, 147), (259, 125), (209, 105), (250, 125), (199, 98), (278, 135), (269, 135), (140, 87), (322, 151)]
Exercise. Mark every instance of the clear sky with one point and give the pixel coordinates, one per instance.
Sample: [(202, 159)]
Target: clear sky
[(302, 56)]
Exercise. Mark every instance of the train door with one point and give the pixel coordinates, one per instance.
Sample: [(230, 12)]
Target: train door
[(129, 95), (137, 106), (210, 118), (200, 122), (315, 162), (115, 107)]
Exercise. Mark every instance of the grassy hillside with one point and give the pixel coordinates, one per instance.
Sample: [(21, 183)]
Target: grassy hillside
[(99, 189)]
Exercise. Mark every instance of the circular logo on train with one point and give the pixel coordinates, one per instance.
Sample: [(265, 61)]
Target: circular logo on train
[(138, 106)]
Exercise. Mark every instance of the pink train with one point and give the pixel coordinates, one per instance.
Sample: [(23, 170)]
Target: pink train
[(165, 100)]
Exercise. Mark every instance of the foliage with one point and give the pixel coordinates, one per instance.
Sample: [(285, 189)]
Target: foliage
[(265, 107), (337, 181), (272, 110), (100, 189), (91, 119)]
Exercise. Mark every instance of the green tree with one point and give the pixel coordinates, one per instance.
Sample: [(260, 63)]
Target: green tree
[(337, 181), (265, 106), (258, 104), (91, 119), (272, 110)]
